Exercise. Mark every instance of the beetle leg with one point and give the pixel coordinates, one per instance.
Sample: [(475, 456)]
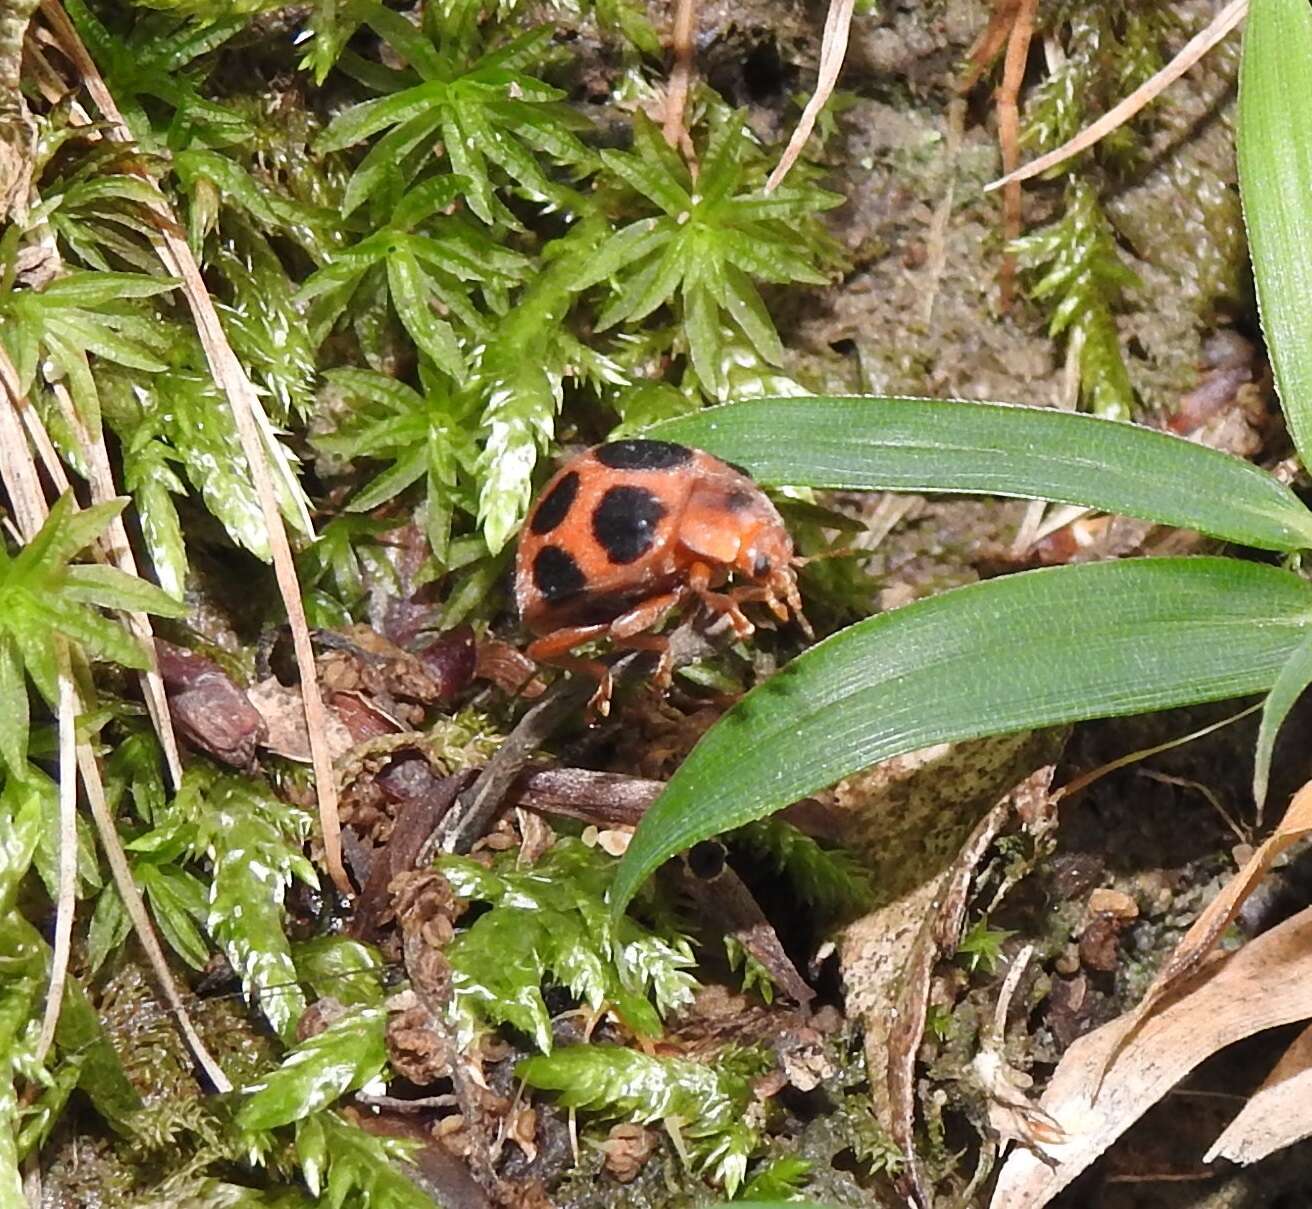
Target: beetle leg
[(555, 649), (794, 599), (645, 615), (782, 585), (627, 629), (752, 593), (790, 606), (658, 643), (798, 616), (699, 579)]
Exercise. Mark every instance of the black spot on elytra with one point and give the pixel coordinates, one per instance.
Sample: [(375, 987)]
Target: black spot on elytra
[(555, 505), (625, 521), (738, 499), (556, 575), (643, 455)]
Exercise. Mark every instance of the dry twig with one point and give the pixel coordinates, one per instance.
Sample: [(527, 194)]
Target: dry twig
[(1220, 25), (18, 473), (676, 91), (990, 42), (833, 50), (1013, 76), (725, 899), (136, 909), (466, 822)]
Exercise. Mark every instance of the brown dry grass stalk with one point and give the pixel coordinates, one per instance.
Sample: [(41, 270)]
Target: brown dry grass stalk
[(833, 50), (18, 473), (1013, 76), (66, 907), (96, 456), (676, 91), (115, 540), (136, 909), (230, 376), (1193, 50), (24, 489)]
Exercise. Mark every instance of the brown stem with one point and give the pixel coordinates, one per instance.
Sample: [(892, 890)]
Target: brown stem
[(676, 93), (172, 247), (1013, 76)]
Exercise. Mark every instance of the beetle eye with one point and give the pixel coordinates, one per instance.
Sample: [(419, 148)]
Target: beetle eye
[(762, 566)]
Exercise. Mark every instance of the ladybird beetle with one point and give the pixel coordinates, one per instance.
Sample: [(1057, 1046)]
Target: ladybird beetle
[(627, 531)]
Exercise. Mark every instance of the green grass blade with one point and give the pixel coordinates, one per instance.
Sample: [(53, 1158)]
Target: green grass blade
[(1275, 179), (1290, 685), (896, 444), (1029, 650)]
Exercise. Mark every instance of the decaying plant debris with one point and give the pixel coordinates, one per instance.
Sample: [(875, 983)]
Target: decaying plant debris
[(323, 292)]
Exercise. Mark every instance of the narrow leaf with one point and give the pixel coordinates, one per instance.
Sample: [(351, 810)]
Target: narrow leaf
[(1275, 179), (410, 293), (360, 121), (404, 38), (102, 1076), (342, 1058), (102, 638), (386, 157), (349, 971), (13, 709), (898, 444), (395, 479), (66, 531), (376, 388), (623, 249), (233, 181), (115, 589), (109, 928), (425, 199), (1290, 685), (739, 297), (95, 289), (647, 180), (176, 900), (161, 530), (701, 325), (352, 1167), (992, 658)]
